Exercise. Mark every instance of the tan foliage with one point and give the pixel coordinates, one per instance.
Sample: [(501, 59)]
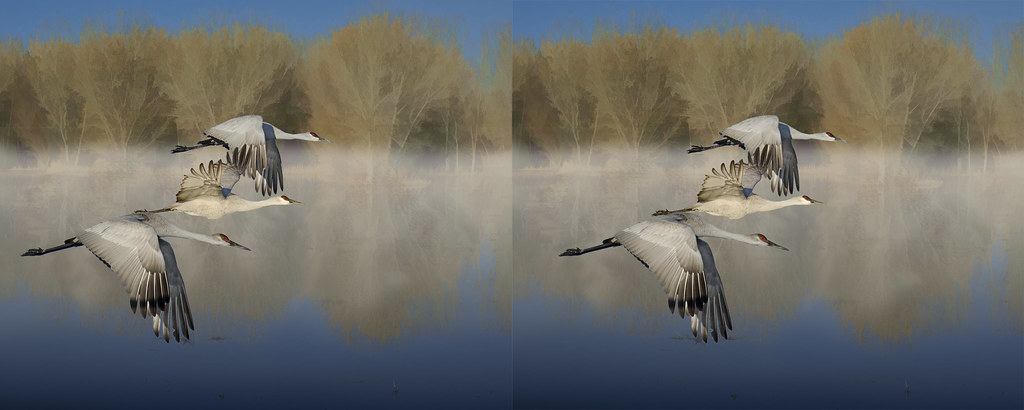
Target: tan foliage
[(212, 76), (473, 118), (385, 81), (374, 80), (10, 58), (377, 84), (498, 83), (523, 59), (726, 77), (1009, 76), (116, 77), (51, 76), (533, 119), (629, 76), (566, 92), (884, 81), (893, 82), (485, 102)]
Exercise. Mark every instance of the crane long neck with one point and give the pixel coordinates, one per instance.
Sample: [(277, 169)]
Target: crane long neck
[(716, 232), (762, 204), (799, 135), (174, 231), (241, 205), (281, 135)]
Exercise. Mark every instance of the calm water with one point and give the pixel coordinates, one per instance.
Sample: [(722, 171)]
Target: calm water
[(912, 278), (405, 281), (450, 287)]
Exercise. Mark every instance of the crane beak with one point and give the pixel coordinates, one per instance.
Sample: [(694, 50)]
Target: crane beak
[(323, 139), (775, 245), (814, 201), (294, 201), (237, 245), (840, 139)]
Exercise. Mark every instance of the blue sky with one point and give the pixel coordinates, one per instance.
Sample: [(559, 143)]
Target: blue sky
[(26, 20), (813, 19), (532, 19)]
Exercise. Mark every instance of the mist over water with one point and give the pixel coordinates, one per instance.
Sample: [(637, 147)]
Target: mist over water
[(904, 272), (406, 279), (449, 285)]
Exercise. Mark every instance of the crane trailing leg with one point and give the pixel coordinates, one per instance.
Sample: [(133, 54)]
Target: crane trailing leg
[(607, 243), (70, 243), (724, 142), (139, 211), (667, 212), (204, 143)]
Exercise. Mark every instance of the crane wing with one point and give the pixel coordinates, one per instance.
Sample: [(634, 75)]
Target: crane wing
[(261, 162), (769, 149), (247, 129), (253, 150), (178, 315), (726, 181), (215, 180), (749, 178), (755, 131), (129, 247), (737, 179), (229, 176), (783, 174), (714, 318), (669, 249)]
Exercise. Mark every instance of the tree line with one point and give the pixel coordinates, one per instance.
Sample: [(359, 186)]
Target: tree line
[(398, 86), (895, 83)]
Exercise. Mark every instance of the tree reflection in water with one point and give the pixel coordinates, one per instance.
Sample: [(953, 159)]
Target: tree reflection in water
[(894, 251), (381, 259)]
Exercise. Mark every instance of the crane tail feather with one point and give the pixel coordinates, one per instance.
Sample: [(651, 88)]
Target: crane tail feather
[(725, 309), (721, 320)]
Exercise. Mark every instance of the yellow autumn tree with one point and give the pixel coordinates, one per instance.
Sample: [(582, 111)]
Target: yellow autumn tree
[(533, 119), (566, 91), (729, 75), (629, 75), (1008, 76), (218, 74), (11, 56), (883, 82), (116, 77), (373, 81), (497, 82), (51, 74)]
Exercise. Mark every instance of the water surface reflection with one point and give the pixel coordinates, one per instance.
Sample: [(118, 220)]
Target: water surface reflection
[(897, 255), (368, 272)]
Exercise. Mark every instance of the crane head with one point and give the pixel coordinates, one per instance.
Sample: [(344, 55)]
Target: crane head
[(318, 138), (834, 138), (763, 239), (228, 242), (810, 201), (288, 200)]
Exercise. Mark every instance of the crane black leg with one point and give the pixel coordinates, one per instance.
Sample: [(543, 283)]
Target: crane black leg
[(182, 148), (70, 243), (724, 142), (204, 143), (667, 212), (727, 140), (607, 243), (139, 211)]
